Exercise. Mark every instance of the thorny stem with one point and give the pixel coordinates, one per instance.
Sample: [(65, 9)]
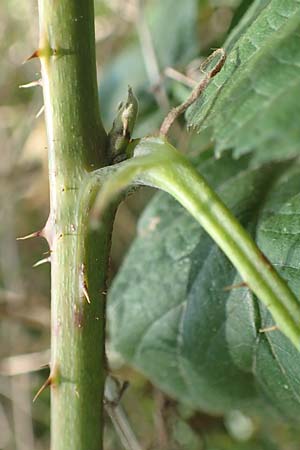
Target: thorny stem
[(196, 92), (79, 257)]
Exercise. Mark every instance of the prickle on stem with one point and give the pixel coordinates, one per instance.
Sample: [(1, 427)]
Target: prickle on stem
[(83, 284)]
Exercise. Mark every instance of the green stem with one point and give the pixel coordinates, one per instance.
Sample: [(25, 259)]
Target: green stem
[(158, 164), (79, 257)]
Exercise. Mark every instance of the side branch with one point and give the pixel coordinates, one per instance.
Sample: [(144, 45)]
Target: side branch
[(156, 163)]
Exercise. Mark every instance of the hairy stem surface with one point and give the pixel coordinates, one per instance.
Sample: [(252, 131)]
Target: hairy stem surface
[(76, 145)]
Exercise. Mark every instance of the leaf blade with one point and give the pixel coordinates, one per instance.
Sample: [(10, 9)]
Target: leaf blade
[(249, 105)]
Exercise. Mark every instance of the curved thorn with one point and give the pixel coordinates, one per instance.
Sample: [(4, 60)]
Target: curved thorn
[(83, 284), (30, 236), (47, 383), (40, 112), (35, 54), (42, 261), (267, 329), (31, 84), (85, 293)]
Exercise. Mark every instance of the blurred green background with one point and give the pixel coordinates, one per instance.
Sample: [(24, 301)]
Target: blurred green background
[(147, 45)]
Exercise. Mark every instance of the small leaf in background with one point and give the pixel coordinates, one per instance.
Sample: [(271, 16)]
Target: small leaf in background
[(252, 104), (175, 43), (174, 35), (171, 317)]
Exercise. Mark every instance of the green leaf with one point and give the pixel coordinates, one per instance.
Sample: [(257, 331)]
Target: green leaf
[(171, 318), (252, 104), (174, 35), (240, 24)]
